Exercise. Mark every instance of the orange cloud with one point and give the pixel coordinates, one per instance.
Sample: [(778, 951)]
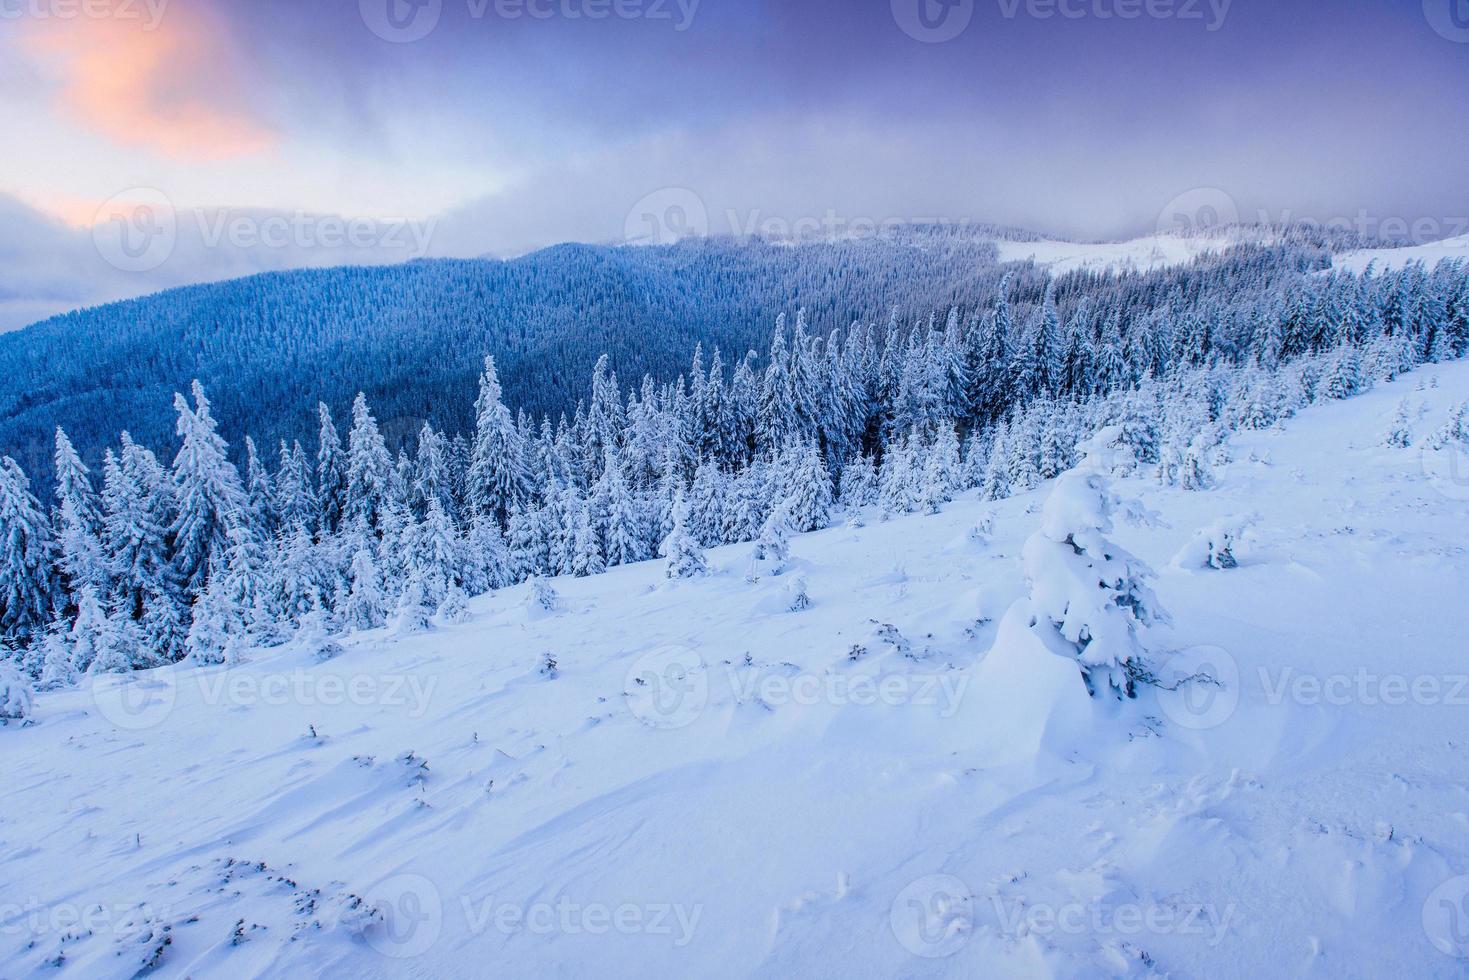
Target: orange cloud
[(172, 86)]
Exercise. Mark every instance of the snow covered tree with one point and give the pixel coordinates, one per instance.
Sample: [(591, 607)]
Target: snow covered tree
[(28, 588), (331, 472), (685, 556), (365, 607), (773, 548), (137, 499), (585, 550), (454, 607), (617, 514), (1399, 433), (809, 490), (1088, 592), (208, 493), (413, 612), (498, 473), (78, 520), (859, 482), (370, 473)]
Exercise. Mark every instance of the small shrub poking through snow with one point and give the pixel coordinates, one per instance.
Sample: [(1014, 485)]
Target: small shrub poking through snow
[(1213, 546), (796, 593)]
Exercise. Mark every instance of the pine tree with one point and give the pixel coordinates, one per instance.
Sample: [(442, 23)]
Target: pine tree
[(773, 547), (331, 472), (208, 492), (586, 551), (370, 474), (412, 615), (617, 513), (809, 497), (1400, 431), (685, 556), (78, 520), (1085, 592), (28, 588), (137, 499), (365, 607), (498, 474), (859, 482)]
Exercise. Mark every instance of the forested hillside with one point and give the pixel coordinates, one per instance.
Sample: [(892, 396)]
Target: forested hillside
[(414, 337)]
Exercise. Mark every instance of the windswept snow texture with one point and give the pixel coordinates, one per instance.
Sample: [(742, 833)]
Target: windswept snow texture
[(688, 779)]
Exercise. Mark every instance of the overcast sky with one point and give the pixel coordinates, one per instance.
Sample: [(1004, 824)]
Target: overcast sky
[(158, 142)]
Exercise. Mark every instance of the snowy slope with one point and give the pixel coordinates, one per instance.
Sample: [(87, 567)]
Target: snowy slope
[(712, 785), (1452, 249), (1136, 255)]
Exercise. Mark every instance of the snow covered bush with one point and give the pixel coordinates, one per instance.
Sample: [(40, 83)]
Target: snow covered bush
[(1399, 433), (16, 703), (1089, 592), (685, 556), (1213, 546), (412, 614), (540, 598), (454, 607), (1453, 432)]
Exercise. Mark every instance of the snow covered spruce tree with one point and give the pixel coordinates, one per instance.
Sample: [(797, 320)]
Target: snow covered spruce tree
[(29, 591), (1085, 590), (685, 556), (209, 497)]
